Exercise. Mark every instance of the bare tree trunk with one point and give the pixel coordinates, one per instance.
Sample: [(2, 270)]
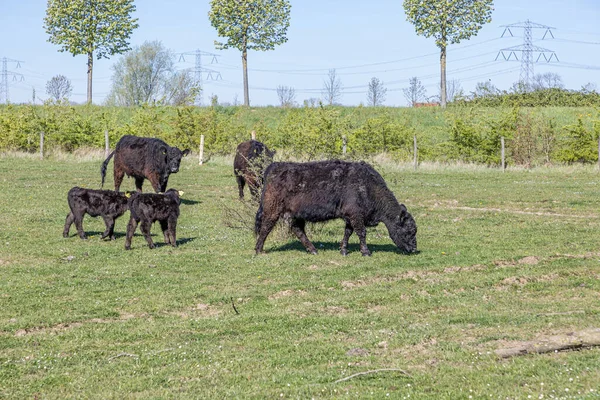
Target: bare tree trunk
[(90, 65), (245, 68), (443, 76)]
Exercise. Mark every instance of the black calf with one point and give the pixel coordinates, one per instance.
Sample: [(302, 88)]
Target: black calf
[(105, 203)]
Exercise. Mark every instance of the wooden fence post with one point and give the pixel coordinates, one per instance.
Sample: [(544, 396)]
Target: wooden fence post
[(415, 151), (598, 152), (253, 134), (201, 156), (106, 144), (502, 153), (41, 145), (344, 144)]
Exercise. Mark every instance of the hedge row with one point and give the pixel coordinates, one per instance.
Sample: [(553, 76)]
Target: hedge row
[(533, 136)]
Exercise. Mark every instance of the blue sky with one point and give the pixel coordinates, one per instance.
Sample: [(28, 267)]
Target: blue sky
[(359, 39)]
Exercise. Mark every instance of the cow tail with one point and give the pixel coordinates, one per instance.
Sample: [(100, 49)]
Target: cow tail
[(103, 168)]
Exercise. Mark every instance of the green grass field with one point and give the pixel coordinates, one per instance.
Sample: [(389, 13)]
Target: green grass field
[(504, 257)]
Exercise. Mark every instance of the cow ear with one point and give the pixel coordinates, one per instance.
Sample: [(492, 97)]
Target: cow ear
[(186, 152)]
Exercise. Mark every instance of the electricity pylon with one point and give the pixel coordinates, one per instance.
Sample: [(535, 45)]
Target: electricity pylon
[(527, 50)]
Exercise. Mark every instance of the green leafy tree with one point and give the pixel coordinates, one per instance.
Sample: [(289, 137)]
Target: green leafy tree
[(448, 22), (147, 74), (250, 25), (100, 27)]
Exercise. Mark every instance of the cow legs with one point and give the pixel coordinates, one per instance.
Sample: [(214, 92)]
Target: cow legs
[(119, 174), (145, 227), (298, 229), (110, 228), (253, 186), (155, 181), (68, 223), (171, 231), (241, 182), (79, 226), (169, 227), (131, 226), (361, 231), (347, 232), (138, 183)]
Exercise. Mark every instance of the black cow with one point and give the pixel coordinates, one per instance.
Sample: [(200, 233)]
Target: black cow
[(141, 158), (251, 159), (148, 208), (105, 203), (320, 191)]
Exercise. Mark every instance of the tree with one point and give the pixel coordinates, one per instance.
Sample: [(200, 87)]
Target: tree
[(589, 87), (376, 93), (448, 22), (100, 27), (453, 90), (485, 89), (332, 88), (59, 87), (250, 25), (286, 95), (547, 80), (415, 92), (147, 74)]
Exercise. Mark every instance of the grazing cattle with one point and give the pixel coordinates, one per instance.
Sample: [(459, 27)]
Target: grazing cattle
[(105, 203), (146, 208), (251, 159), (141, 158), (320, 191)]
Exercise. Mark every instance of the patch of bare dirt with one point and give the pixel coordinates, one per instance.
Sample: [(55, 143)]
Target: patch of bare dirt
[(357, 352), (511, 281), (453, 204), (66, 326), (335, 310), (529, 260), (3, 262), (286, 293)]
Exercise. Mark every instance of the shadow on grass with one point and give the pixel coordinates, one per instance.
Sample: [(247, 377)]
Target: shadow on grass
[(188, 202), (335, 246), (95, 235)]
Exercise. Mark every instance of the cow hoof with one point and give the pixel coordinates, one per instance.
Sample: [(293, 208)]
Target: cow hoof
[(65, 235), (344, 252), (313, 252), (83, 237), (366, 254), (127, 247), (151, 246)]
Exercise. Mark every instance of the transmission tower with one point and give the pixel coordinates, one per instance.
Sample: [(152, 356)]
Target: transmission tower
[(199, 70), (527, 49), (4, 92)]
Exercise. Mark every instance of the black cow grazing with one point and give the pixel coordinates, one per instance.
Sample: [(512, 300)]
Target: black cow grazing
[(320, 191), (141, 158), (251, 159), (146, 208), (105, 203)]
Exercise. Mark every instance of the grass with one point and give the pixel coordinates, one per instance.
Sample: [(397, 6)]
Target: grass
[(504, 257)]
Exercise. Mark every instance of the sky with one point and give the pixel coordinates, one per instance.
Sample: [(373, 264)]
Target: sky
[(359, 39)]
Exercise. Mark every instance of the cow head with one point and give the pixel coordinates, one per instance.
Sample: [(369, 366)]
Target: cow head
[(403, 231), (173, 158), (174, 194)]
